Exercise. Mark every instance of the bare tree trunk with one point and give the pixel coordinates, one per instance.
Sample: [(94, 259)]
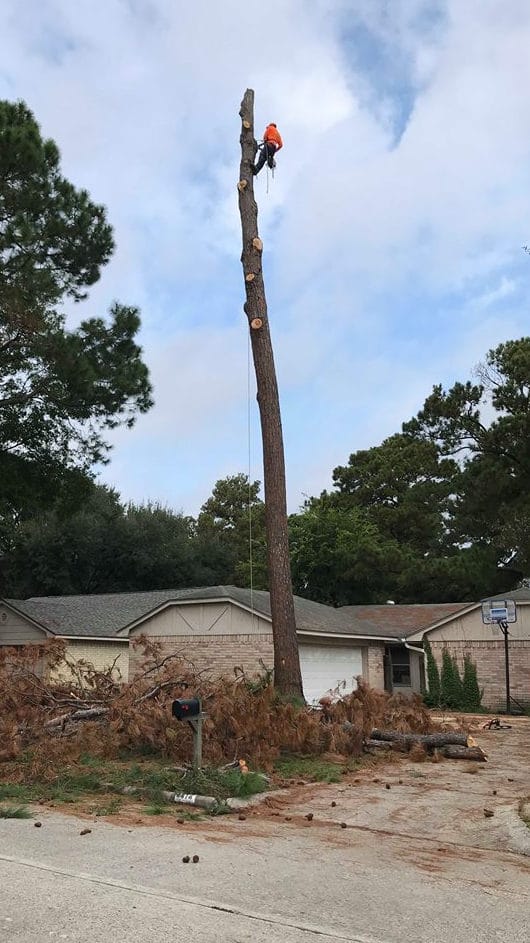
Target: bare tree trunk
[(287, 677)]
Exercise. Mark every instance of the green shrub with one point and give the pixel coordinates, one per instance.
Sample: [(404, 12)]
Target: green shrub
[(432, 696), (451, 690), (471, 693)]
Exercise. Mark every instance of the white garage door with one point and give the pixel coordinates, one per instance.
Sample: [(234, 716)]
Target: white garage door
[(326, 666)]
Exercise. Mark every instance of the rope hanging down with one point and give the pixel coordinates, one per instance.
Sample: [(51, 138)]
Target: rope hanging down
[(261, 144), (249, 435)]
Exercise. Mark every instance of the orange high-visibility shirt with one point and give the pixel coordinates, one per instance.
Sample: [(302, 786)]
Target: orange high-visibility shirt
[(272, 134)]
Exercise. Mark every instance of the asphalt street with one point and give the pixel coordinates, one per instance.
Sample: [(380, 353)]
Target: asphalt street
[(255, 880)]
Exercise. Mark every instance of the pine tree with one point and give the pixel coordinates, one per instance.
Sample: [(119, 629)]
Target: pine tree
[(451, 692), (471, 693), (432, 697)]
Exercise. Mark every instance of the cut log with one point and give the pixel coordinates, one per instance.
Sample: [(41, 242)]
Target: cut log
[(464, 753), (429, 741), (378, 745)]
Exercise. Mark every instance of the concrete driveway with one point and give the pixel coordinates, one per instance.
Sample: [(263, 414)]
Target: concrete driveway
[(417, 862)]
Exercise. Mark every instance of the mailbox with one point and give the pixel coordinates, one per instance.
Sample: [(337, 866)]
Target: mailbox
[(186, 708)]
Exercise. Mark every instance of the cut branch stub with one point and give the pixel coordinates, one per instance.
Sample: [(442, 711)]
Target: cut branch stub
[(256, 323), (250, 277), (257, 243), (242, 184), (247, 124)]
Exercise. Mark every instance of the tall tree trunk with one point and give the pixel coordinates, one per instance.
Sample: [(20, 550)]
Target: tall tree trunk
[(287, 676)]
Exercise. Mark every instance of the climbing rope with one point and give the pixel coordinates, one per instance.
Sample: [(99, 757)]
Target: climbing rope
[(261, 144), (249, 436)]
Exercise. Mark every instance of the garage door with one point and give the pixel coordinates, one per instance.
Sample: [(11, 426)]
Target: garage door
[(326, 666)]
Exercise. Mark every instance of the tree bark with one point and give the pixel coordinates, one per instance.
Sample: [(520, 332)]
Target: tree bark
[(464, 753), (382, 745), (287, 676), (430, 740)]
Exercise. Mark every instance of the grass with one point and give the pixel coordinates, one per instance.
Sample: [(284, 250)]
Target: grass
[(18, 791), (157, 808), (314, 769), (15, 812), (112, 807), (221, 784), (93, 776)]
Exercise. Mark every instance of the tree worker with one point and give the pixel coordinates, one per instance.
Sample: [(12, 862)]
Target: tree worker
[(272, 142)]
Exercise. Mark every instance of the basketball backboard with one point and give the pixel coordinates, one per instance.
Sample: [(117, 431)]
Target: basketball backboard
[(495, 611)]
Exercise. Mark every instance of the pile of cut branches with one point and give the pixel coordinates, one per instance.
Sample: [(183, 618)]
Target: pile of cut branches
[(53, 721)]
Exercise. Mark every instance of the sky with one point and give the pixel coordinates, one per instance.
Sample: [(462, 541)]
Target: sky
[(393, 229)]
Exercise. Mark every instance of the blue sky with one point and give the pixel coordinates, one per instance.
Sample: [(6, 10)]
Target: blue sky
[(393, 229)]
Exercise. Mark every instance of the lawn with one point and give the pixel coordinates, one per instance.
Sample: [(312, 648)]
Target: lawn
[(103, 785)]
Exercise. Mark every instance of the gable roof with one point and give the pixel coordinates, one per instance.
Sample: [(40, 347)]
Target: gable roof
[(519, 595), (111, 615), (399, 621)]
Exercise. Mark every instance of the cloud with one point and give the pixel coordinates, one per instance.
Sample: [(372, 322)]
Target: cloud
[(392, 230)]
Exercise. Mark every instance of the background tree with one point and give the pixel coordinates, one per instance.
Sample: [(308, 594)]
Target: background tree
[(62, 552), (340, 557), (59, 389), (405, 485), (105, 546), (486, 427), (232, 515)]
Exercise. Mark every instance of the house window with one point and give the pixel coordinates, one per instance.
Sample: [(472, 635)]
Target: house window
[(400, 667)]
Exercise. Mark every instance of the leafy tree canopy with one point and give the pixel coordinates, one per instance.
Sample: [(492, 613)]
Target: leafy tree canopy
[(60, 389), (406, 486), (233, 519), (106, 546), (340, 557), (485, 426)]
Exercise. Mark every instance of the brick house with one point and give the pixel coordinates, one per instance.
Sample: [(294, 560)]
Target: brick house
[(219, 628), (464, 633)]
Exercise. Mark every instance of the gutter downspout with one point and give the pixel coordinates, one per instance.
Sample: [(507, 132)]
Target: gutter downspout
[(419, 651), (413, 648)]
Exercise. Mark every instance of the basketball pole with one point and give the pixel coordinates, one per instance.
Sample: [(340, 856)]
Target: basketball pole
[(504, 627)]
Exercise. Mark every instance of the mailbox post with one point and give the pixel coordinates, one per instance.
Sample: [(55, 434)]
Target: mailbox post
[(190, 710)]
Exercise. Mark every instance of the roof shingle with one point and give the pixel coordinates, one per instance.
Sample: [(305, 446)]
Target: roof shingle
[(399, 621), (109, 614)]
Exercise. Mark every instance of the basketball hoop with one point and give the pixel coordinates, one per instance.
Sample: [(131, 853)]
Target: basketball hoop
[(497, 611), (501, 612)]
